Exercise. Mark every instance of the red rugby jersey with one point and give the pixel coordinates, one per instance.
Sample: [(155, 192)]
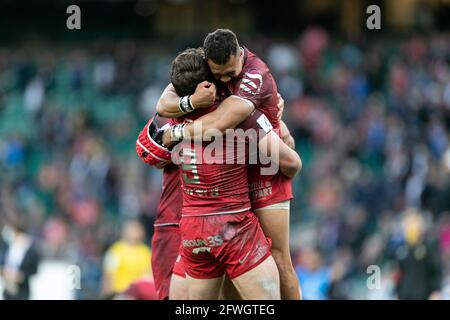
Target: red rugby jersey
[(171, 201), (214, 174)]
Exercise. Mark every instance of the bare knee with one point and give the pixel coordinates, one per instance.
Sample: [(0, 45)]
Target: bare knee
[(260, 283), (271, 287)]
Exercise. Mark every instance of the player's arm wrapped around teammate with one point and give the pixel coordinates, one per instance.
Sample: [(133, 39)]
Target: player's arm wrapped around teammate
[(272, 146), (170, 105), (149, 146)]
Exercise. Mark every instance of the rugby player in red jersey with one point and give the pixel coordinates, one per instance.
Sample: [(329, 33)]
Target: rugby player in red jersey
[(221, 182), (251, 85), (166, 237), (168, 270)]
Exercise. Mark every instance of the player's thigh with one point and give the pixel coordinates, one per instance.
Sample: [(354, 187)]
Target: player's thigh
[(165, 245), (228, 291), (178, 288), (203, 289), (275, 224), (259, 283)]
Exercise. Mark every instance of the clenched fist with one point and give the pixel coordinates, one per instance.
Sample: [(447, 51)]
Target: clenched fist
[(204, 95)]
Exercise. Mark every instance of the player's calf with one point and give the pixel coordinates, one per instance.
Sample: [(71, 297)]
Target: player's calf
[(274, 221), (290, 288)]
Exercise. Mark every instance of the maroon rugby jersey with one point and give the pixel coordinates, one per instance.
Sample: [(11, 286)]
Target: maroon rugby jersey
[(214, 175), (256, 84), (171, 201)]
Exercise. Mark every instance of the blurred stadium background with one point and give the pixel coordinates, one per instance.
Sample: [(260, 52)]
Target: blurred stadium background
[(370, 112)]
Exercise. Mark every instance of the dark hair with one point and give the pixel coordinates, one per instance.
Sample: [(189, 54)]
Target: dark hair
[(220, 45), (189, 68)]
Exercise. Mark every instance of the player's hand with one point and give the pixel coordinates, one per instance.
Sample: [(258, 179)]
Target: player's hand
[(280, 106), (204, 95)]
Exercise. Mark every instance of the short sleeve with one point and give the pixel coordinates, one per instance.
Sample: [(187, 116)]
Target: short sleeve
[(257, 121), (255, 86)]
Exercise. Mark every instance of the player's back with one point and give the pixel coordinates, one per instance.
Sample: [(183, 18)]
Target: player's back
[(214, 174), (214, 178)]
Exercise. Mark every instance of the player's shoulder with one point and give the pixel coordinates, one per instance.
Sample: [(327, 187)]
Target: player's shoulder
[(254, 64), (255, 76)]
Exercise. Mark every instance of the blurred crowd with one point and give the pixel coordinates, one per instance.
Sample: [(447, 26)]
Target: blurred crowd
[(370, 120)]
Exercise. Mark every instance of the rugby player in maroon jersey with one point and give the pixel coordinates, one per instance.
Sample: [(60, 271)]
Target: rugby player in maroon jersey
[(251, 85), (235, 195)]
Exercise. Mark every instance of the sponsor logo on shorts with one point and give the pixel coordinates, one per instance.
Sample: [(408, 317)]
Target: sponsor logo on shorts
[(236, 146), (258, 194), (241, 261), (203, 245), (194, 243), (201, 249)]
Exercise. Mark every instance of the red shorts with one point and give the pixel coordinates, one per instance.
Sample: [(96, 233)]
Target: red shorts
[(178, 268), (218, 244), (165, 248), (266, 190)]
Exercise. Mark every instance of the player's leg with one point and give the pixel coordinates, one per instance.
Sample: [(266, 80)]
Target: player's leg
[(178, 282), (178, 288), (165, 244), (274, 221), (228, 291), (247, 259), (203, 289), (259, 283), (204, 276)]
